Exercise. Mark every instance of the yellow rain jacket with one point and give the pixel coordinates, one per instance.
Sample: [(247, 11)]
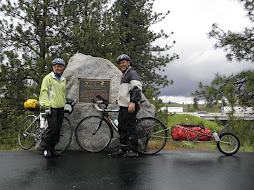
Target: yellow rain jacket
[(52, 91)]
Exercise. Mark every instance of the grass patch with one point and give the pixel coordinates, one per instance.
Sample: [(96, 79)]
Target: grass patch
[(9, 147)]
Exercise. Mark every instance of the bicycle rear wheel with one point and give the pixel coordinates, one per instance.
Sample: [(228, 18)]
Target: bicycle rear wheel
[(27, 132), (229, 144), (93, 134), (65, 136), (152, 135)]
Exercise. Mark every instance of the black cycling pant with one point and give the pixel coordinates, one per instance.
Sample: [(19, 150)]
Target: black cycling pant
[(127, 127), (52, 134)]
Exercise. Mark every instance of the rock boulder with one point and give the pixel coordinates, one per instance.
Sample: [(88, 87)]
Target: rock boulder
[(82, 66)]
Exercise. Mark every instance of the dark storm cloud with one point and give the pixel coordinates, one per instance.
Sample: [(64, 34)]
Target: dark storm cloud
[(187, 74), (199, 61)]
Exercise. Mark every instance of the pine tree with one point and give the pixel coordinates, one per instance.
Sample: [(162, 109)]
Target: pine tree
[(84, 31), (132, 20), (31, 33), (40, 30), (12, 82), (237, 45), (195, 104)]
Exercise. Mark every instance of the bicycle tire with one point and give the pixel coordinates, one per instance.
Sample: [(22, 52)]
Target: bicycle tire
[(65, 136), (86, 137), (27, 133), (229, 144), (152, 135)]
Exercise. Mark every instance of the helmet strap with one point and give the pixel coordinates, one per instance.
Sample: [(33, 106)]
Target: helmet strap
[(59, 75), (126, 70)]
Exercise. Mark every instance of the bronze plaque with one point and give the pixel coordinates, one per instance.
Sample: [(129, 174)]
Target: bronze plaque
[(89, 88)]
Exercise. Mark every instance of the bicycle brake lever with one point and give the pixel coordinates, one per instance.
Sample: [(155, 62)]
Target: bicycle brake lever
[(92, 100)]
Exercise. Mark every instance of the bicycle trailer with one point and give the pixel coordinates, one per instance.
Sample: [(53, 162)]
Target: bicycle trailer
[(190, 132)]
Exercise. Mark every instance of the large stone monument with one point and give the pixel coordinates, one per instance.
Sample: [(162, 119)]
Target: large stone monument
[(87, 77)]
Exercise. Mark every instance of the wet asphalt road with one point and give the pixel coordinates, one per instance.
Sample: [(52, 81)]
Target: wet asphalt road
[(169, 170)]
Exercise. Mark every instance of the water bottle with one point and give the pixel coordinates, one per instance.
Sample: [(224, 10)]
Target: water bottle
[(42, 122), (216, 136), (115, 122)]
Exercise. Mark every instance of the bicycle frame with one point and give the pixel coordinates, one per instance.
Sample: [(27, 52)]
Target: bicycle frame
[(35, 120), (104, 113), (221, 131)]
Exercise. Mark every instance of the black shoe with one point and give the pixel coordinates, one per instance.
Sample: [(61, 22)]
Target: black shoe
[(119, 153), (47, 154), (131, 154), (55, 153)]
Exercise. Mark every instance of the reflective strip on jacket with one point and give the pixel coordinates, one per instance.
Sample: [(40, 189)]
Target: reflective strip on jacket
[(130, 88), (52, 91)]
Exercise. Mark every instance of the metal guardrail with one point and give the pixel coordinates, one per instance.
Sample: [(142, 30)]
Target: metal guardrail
[(220, 116)]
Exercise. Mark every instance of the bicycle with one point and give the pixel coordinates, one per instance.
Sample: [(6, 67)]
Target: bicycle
[(33, 128), (94, 133)]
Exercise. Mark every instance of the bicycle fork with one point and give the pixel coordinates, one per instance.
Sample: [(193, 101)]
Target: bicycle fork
[(98, 127)]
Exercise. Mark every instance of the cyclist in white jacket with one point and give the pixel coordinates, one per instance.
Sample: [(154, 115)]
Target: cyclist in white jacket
[(52, 97), (128, 99)]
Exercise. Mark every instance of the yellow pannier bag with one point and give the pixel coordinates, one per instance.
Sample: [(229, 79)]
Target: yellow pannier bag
[(30, 104)]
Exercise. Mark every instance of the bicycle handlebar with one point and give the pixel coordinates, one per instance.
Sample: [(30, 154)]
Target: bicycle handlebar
[(102, 99), (38, 104), (71, 103), (68, 101), (96, 106), (105, 102)]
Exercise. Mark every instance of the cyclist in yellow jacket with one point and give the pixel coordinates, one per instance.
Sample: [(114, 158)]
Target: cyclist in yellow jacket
[(52, 97)]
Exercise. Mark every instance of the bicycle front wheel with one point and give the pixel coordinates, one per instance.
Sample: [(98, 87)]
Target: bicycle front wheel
[(65, 136), (152, 135), (229, 144), (93, 134), (27, 132)]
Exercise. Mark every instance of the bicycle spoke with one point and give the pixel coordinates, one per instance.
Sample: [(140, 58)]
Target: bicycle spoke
[(152, 135), (93, 134), (27, 132), (228, 144)]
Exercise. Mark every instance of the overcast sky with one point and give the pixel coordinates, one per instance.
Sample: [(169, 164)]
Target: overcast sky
[(191, 20)]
